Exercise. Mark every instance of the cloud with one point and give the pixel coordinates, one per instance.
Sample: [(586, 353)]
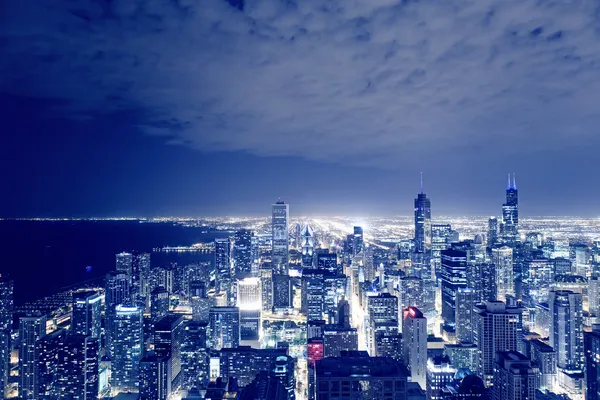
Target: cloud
[(378, 82)]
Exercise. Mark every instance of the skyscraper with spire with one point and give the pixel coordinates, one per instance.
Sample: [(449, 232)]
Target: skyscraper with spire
[(422, 222), (510, 213)]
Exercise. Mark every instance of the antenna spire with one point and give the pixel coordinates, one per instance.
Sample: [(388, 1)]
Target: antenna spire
[(508, 186), (514, 181), (421, 182)]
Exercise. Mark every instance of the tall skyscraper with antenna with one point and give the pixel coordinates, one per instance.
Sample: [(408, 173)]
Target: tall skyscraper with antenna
[(422, 222), (510, 213)]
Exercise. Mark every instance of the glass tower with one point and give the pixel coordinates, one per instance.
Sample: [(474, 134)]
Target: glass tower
[(280, 246)]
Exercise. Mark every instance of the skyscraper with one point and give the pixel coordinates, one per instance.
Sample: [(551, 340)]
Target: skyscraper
[(495, 329), (223, 268), (6, 320), (566, 328), (454, 277), (422, 223), (510, 213), (124, 265), (250, 304), (87, 316), (515, 377), (224, 327), (414, 333), (308, 246), (159, 303), (77, 368), (502, 258), (168, 335), (127, 348), (465, 301), (280, 247), (312, 294), (117, 291), (154, 384), (492, 238), (358, 240), (592, 363), (31, 328), (242, 252)]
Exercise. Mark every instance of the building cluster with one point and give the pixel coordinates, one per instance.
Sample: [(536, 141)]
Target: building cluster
[(288, 311)]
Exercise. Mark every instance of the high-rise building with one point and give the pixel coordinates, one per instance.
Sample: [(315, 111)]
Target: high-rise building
[(223, 268), (159, 303), (46, 359), (358, 240), (154, 379), (594, 296), (422, 223), (382, 307), (592, 363), (492, 237), (465, 301), (307, 246), (510, 214), (87, 317), (439, 374), (327, 261), (539, 279), (124, 265), (502, 258), (337, 339), (31, 328), (566, 328), (224, 327), (312, 294), (355, 372), (544, 357), (441, 237), (495, 329), (127, 348), (6, 321), (168, 336), (282, 369), (282, 291), (117, 291), (280, 230), (141, 274), (454, 277), (266, 288), (343, 314), (250, 303), (414, 333), (515, 377), (77, 374), (244, 362), (242, 252)]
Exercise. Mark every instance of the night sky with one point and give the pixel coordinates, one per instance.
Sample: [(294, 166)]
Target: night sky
[(210, 107)]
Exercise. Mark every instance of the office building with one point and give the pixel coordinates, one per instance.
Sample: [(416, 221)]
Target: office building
[(327, 261), (266, 288), (509, 230), (307, 245), (242, 252), (312, 294), (117, 291), (544, 357), (566, 328), (224, 268), (515, 377), (422, 223), (345, 376), (280, 232), (124, 265), (439, 374), (154, 377), (77, 372), (31, 328), (495, 329), (539, 279), (337, 339), (492, 236), (282, 292), (87, 314), (159, 303), (592, 363), (454, 277), (127, 348), (414, 333), (6, 321), (244, 362), (168, 337), (465, 301), (46, 360), (463, 355), (224, 327), (502, 258), (382, 307)]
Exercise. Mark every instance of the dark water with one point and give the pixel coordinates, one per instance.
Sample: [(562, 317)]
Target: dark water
[(45, 256)]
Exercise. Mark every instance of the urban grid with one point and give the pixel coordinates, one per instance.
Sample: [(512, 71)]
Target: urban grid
[(321, 309)]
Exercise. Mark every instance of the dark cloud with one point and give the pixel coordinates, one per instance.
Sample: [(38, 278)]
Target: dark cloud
[(380, 83)]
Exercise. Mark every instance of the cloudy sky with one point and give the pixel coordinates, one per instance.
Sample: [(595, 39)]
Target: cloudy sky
[(196, 107)]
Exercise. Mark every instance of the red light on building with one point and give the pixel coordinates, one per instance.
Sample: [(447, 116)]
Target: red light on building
[(314, 351)]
